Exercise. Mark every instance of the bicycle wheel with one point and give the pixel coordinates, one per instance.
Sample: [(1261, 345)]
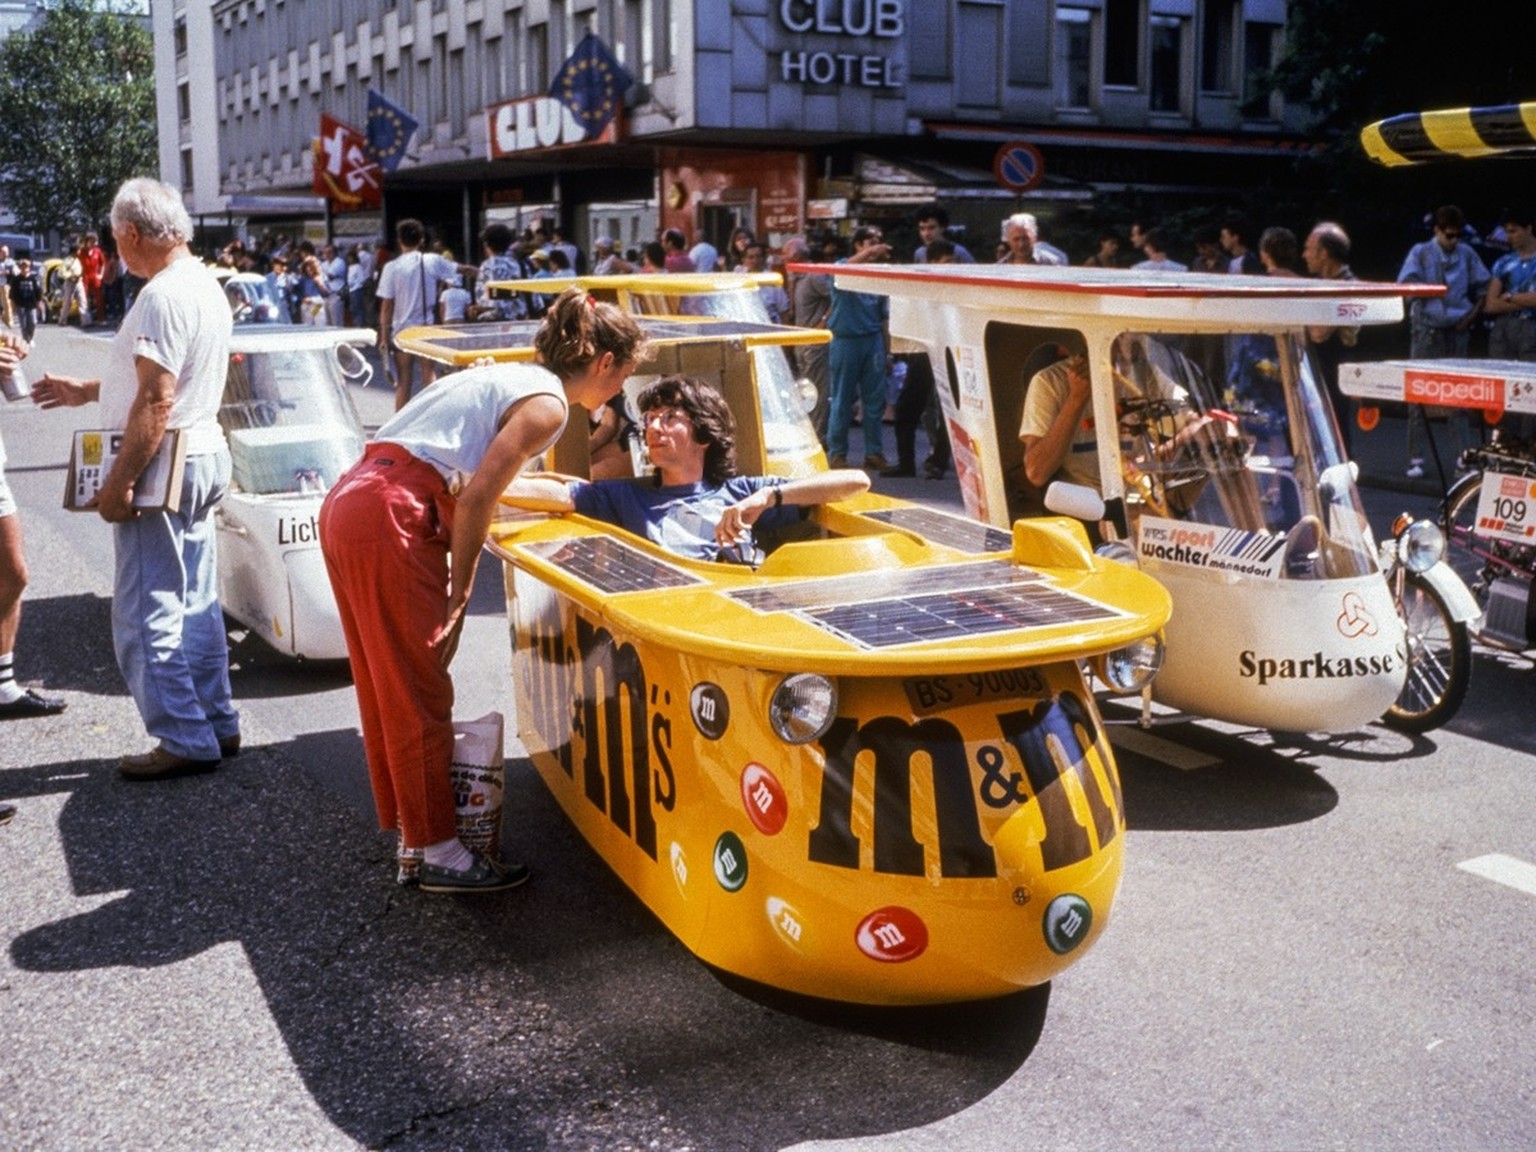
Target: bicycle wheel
[(1439, 660), (1461, 547)]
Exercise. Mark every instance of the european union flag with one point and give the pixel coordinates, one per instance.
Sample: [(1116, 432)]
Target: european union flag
[(591, 83), (390, 128)]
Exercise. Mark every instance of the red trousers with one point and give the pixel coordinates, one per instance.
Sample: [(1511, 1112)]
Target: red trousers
[(384, 531)]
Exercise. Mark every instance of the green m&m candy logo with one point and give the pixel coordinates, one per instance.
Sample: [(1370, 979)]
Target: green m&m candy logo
[(1067, 921), (730, 862)]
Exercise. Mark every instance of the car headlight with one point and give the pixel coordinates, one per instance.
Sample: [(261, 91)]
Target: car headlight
[(803, 707), (1421, 545), (1132, 668)]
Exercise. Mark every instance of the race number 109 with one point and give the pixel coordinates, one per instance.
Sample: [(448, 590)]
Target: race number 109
[(1504, 506), (929, 694)]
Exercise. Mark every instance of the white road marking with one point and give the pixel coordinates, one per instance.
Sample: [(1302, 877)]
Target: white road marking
[(1501, 869), (1144, 743)]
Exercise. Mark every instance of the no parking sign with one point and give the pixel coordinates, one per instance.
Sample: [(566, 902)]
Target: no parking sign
[(1018, 166)]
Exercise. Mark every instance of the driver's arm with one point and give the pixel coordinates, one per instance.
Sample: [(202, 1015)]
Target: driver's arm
[(1044, 453), (539, 494)]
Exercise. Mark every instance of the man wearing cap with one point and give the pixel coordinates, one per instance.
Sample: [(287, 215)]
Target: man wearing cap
[(606, 261)]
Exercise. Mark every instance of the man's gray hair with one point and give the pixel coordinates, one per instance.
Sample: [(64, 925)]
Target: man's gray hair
[(1024, 220), (155, 209)]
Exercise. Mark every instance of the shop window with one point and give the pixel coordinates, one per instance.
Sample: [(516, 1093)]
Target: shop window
[(1218, 40), (1122, 43), (1074, 57), (1166, 74)]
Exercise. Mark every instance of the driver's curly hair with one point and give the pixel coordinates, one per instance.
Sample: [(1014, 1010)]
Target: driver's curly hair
[(712, 423)]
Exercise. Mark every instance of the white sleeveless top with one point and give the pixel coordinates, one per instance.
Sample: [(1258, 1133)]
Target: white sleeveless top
[(452, 422)]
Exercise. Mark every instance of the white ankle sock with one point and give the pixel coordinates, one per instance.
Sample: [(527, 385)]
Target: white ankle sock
[(449, 854), (9, 690)]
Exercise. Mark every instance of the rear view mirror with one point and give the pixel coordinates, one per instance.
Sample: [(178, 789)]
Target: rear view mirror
[(1076, 500)]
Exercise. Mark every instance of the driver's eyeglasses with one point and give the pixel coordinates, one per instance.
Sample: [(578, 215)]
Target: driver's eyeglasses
[(665, 416)]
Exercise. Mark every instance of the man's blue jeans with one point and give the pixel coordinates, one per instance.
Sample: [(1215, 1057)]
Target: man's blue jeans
[(857, 369), (167, 623)]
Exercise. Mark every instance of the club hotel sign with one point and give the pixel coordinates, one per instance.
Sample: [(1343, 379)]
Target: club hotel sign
[(850, 20), (838, 43)]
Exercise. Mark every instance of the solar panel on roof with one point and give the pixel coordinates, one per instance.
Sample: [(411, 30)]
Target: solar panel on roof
[(512, 339), (610, 565), (861, 587), (956, 615), (951, 531), (922, 605)]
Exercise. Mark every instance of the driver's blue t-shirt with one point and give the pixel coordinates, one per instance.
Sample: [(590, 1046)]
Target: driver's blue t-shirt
[(680, 518)]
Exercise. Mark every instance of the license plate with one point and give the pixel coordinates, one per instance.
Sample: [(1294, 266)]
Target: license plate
[(929, 694), (1506, 508)]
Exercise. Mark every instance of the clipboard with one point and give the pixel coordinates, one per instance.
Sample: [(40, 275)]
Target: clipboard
[(158, 488)]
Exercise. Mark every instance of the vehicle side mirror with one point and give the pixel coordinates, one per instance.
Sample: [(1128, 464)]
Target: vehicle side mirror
[(1076, 500), (354, 366), (1335, 478)]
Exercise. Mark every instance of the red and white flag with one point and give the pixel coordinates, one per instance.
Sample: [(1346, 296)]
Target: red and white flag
[(345, 171)]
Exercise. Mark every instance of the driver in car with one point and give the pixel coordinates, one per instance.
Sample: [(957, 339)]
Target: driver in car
[(1057, 430), (695, 505)]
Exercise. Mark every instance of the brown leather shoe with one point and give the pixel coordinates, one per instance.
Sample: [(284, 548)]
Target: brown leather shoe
[(158, 764)]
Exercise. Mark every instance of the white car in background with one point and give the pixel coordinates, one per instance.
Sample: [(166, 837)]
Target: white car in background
[(292, 431)]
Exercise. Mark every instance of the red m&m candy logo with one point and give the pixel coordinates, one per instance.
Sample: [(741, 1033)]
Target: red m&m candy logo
[(763, 797), (892, 935)]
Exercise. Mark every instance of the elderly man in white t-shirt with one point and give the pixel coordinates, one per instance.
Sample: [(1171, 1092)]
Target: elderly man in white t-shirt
[(166, 373)]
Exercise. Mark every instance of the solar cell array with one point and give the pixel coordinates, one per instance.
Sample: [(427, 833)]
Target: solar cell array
[(869, 610), (951, 531), (610, 565), (921, 605)]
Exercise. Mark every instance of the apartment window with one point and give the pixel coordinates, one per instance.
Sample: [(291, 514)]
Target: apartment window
[(179, 36), (979, 26), (1122, 43), (184, 102), (1166, 74), (1261, 43), (186, 170), (1218, 40), (539, 75), (1074, 57)]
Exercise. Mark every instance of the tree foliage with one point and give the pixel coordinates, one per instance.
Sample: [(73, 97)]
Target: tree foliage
[(77, 99), (1356, 62), (1364, 60)]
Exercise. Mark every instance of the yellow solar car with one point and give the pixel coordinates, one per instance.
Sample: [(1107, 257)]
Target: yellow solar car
[(868, 770)]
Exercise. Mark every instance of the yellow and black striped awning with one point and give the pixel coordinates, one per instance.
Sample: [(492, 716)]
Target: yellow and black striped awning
[(1455, 133)]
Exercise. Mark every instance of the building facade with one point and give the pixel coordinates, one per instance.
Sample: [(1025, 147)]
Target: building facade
[(776, 115)]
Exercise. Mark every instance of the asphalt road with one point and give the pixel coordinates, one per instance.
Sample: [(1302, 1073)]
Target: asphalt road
[(1308, 950)]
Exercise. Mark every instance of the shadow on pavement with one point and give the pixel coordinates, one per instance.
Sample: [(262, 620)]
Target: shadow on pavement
[(560, 1015)]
